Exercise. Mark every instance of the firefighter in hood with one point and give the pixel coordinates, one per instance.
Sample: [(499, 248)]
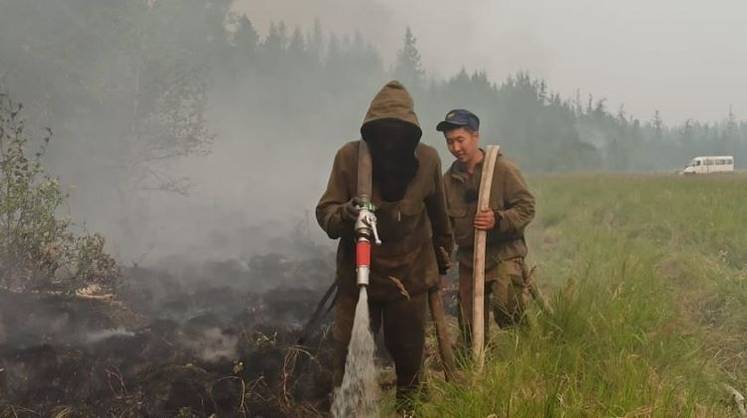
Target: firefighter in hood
[(413, 225)]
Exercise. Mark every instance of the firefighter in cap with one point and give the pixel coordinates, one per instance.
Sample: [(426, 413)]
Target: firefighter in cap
[(507, 282)]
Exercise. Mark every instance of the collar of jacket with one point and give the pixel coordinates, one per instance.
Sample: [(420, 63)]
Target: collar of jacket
[(459, 169)]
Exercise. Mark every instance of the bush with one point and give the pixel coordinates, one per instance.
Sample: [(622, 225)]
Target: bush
[(38, 248)]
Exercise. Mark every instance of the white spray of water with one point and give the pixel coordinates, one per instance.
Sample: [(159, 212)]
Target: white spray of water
[(357, 395)]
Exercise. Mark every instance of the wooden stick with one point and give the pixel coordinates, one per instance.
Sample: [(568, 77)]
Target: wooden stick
[(478, 261)]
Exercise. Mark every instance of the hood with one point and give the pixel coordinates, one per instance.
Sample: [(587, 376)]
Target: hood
[(392, 102)]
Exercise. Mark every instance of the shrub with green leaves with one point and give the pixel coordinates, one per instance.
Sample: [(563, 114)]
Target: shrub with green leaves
[(38, 248)]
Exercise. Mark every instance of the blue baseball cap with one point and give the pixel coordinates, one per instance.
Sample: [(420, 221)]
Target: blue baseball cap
[(459, 118)]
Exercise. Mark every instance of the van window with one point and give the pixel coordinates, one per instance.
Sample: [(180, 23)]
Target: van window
[(708, 162), (696, 163), (729, 161)]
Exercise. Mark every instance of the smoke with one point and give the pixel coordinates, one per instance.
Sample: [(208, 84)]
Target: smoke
[(221, 245), (213, 345), (172, 332), (597, 47), (278, 101), (94, 337)]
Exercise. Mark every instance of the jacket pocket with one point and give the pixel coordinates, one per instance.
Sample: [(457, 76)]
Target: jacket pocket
[(401, 226), (461, 223), (410, 218)]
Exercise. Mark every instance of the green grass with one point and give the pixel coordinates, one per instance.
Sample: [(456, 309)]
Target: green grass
[(648, 280)]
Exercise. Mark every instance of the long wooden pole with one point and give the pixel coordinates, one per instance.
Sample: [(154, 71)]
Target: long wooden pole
[(478, 261)]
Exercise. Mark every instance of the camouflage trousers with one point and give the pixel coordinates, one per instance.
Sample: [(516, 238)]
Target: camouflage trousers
[(403, 322), (506, 295)]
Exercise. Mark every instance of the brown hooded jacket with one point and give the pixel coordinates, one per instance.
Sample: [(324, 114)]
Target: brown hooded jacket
[(411, 229)]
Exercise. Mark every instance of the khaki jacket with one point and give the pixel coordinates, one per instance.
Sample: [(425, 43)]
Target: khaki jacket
[(510, 200)]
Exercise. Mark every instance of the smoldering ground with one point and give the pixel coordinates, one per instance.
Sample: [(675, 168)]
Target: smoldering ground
[(203, 338)]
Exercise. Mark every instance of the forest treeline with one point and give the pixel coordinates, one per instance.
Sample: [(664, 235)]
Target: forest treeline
[(138, 84)]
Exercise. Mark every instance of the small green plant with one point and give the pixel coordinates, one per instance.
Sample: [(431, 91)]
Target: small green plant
[(38, 248)]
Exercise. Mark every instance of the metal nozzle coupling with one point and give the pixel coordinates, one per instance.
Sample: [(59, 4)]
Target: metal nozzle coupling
[(365, 226), (365, 231), (361, 276)]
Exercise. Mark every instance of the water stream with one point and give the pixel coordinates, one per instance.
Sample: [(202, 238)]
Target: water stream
[(358, 394)]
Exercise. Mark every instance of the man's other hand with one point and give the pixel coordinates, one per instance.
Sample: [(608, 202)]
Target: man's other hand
[(485, 220)]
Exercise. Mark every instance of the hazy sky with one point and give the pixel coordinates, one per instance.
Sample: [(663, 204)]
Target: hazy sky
[(687, 58)]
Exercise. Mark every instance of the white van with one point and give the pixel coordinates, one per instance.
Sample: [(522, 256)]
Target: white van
[(710, 164)]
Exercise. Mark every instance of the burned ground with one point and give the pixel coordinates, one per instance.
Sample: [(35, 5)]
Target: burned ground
[(183, 338)]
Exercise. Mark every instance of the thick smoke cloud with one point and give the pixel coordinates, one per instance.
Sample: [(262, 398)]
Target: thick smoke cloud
[(137, 91), (682, 57)]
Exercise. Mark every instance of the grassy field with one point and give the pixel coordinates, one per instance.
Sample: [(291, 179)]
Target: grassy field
[(648, 278)]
